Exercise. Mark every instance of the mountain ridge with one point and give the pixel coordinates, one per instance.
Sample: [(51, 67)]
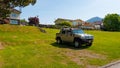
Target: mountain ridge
[(94, 19)]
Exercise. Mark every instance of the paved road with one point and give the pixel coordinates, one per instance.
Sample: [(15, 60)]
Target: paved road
[(112, 65), (115, 66)]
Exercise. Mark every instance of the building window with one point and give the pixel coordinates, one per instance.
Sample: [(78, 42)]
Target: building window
[(75, 23), (13, 22), (14, 15)]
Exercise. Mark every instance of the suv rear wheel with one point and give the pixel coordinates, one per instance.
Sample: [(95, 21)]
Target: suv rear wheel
[(59, 41)]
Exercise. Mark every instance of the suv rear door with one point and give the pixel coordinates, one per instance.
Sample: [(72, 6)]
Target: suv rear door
[(69, 36)]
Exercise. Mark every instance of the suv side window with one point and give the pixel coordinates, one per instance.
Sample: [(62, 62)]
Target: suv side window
[(63, 32)]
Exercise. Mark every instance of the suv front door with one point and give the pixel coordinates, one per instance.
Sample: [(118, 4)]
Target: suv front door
[(69, 36)]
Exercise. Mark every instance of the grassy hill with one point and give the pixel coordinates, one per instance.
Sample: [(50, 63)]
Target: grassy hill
[(27, 47)]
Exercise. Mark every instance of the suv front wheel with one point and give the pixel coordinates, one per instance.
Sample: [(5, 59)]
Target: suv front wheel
[(89, 44), (77, 44)]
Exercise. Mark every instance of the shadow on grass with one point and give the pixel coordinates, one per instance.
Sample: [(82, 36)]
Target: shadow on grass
[(68, 45)]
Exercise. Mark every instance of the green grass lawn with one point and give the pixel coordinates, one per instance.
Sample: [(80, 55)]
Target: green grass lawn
[(27, 47)]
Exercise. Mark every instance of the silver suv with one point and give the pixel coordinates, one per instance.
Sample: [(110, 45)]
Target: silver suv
[(74, 35)]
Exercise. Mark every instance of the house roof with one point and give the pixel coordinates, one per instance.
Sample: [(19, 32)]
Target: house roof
[(87, 24), (78, 20), (98, 23), (16, 11)]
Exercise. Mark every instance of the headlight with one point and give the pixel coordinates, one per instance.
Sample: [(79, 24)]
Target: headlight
[(82, 37)]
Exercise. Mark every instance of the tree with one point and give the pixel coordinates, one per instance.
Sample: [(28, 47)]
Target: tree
[(111, 22), (7, 5), (23, 22), (59, 20), (33, 21), (65, 23)]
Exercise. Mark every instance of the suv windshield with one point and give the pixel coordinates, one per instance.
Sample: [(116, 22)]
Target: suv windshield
[(78, 31)]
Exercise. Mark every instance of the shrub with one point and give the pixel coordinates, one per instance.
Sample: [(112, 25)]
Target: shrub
[(112, 22)]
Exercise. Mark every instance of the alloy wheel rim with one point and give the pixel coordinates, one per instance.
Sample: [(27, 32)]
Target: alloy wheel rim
[(58, 41), (76, 44)]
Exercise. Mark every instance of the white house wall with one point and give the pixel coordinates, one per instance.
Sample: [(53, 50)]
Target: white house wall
[(14, 16)]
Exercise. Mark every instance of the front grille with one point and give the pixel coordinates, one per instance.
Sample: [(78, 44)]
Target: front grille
[(88, 37)]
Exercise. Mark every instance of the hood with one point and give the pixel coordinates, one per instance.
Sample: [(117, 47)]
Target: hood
[(85, 36)]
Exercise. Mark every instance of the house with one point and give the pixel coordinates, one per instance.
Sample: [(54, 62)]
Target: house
[(15, 17), (98, 25), (82, 24), (4, 21), (87, 25), (77, 22)]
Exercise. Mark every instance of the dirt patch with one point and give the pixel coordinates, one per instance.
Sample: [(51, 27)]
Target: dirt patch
[(42, 30), (91, 66), (1, 64), (90, 54), (80, 57), (14, 37), (1, 45)]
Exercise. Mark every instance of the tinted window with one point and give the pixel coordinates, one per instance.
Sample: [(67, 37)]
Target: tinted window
[(78, 31)]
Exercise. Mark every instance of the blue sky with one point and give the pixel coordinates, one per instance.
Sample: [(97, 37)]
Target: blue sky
[(50, 10)]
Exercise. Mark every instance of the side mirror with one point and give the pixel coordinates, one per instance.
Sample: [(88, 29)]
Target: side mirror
[(71, 34)]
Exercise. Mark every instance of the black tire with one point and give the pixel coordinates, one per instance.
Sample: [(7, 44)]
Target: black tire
[(58, 40), (77, 44), (89, 44)]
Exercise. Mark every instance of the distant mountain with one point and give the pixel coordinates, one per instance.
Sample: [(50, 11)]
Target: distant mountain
[(94, 19)]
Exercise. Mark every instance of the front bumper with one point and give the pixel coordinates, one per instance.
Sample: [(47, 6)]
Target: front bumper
[(84, 41)]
